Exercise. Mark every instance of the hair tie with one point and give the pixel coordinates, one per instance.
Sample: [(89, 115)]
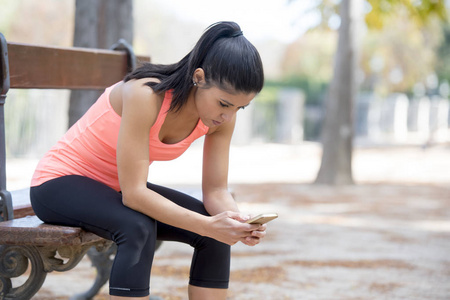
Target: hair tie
[(237, 33)]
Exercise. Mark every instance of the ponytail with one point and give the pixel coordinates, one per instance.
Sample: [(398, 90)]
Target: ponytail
[(228, 59)]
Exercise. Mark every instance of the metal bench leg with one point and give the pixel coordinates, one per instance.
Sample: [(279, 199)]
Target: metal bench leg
[(13, 263)]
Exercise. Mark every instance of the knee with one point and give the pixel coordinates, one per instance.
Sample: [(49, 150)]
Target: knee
[(136, 231), (213, 246)]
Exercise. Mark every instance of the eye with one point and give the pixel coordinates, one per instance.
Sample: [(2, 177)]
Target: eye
[(243, 107), (223, 104)]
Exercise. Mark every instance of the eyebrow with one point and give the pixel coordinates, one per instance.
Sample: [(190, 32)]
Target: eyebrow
[(227, 102), (231, 104)]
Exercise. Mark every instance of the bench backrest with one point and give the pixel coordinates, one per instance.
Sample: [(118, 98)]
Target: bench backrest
[(40, 67)]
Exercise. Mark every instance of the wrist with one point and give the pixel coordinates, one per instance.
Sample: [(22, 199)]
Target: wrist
[(204, 225)]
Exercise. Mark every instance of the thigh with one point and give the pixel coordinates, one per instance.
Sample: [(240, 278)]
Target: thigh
[(181, 199), (171, 233), (83, 202)]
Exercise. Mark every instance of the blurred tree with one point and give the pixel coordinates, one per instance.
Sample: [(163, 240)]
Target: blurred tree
[(98, 24), (443, 67), (337, 135), (389, 54), (380, 11), (394, 61), (337, 131)]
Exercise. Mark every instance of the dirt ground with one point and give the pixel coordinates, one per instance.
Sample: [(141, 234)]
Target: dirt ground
[(379, 239)]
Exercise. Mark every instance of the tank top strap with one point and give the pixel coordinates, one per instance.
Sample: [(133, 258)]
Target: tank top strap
[(163, 110), (199, 130)]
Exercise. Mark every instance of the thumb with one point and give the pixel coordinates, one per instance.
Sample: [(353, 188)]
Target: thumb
[(240, 217)]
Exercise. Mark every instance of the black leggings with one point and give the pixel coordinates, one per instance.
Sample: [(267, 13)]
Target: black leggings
[(80, 201)]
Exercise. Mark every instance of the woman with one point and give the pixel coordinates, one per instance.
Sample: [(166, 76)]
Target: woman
[(95, 177)]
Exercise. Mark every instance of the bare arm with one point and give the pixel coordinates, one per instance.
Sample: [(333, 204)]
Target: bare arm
[(216, 196), (139, 111)]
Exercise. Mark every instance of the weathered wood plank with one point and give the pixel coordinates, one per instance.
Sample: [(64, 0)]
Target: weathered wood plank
[(65, 68), (32, 231), (23, 211), (21, 203)]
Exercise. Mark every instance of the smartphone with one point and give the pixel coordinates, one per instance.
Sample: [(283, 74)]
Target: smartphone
[(262, 218)]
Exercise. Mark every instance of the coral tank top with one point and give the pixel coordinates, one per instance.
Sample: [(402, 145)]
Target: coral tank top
[(89, 146)]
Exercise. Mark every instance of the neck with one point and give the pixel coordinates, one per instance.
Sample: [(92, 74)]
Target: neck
[(189, 109)]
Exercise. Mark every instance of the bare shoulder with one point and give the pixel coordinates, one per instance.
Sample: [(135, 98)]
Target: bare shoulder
[(135, 95), (138, 88)]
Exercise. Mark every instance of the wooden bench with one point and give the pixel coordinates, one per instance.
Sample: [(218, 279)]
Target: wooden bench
[(24, 240)]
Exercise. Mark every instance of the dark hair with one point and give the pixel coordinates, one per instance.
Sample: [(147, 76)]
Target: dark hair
[(228, 59)]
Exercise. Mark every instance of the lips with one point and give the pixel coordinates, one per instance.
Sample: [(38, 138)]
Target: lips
[(216, 123)]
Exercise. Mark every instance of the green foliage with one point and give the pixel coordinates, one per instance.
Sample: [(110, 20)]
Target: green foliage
[(308, 64), (268, 94), (398, 50), (314, 90), (443, 65), (398, 56), (265, 113), (420, 11)]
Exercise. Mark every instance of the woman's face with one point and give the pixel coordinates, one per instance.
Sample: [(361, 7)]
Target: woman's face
[(216, 106)]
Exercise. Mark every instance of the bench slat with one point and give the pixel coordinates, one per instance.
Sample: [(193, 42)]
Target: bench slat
[(60, 68), (21, 203), (23, 211), (32, 231)]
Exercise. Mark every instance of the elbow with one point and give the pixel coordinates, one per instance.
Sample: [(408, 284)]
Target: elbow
[(127, 201), (130, 200), (215, 194)]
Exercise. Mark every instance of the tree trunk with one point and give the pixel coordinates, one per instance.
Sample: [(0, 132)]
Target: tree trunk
[(337, 131), (98, 24)]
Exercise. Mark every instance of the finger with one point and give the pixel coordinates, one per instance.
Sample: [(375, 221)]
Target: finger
[(252, 227), (242, 218), (252, 233), (259, 234), (253, 240), (239, 217), (260, 227), (250, 241)]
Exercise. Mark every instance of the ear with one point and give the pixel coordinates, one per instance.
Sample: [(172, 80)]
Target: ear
[(199, 76)]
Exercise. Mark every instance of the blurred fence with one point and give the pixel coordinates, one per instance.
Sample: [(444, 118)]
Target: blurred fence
[(395, 119), (36, 119)]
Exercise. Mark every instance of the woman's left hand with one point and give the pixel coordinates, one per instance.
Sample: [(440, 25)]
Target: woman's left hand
[(256, 237)]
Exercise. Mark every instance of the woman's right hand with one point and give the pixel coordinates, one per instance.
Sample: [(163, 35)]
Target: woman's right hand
[(229, 227)]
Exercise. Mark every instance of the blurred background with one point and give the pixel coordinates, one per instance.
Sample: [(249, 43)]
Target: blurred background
[(356, 100), (398, 95)]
